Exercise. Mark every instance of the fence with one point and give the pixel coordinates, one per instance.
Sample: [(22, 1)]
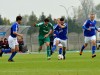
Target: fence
[(75, 40)]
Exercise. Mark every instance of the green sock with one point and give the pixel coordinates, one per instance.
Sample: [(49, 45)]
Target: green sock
[(48, 51)]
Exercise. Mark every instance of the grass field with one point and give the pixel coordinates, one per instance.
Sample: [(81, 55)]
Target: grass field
[(37, 64)]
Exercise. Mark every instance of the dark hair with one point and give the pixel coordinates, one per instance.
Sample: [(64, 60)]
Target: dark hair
[(61, 19), (92, 14), (5, 38), (18, 18), (46, 20)]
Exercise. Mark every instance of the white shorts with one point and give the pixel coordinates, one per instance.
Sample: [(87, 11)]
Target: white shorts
[(89, 39), (12, 42), (54, 42), (63, 42)]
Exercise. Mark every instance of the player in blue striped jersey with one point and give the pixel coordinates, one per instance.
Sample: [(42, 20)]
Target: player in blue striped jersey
[(12, 39), (61, 28), (90, 29)]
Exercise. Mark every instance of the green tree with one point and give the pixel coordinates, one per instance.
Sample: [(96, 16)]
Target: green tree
[(1, 20), (42, 17), (32, 20), (25, 19), (50, 19), (73, 26), (6, 21), (98, 10)]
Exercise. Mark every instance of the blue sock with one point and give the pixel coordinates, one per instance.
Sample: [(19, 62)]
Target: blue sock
[(6, 50), (93, 49), (54, 48), (60, 50), (12, 55), (82, 48)]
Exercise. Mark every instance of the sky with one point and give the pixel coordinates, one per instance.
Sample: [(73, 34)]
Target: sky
[(12, 8)]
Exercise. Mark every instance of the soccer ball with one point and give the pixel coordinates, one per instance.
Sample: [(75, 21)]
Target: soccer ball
[(60, 57)]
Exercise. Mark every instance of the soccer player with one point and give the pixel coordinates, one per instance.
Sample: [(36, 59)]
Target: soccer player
[(45, 30), (61, 28), (56, 40), (90, 34), (12, 39)]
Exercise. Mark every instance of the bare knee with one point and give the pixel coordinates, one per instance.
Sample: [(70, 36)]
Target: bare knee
[(47, 44), (17, 48), (85, 45), (93, 43)]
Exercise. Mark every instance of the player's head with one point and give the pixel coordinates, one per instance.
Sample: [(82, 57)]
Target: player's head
[(46, 21), (19, 19), (92, 16), (62, 21), (58, 20)]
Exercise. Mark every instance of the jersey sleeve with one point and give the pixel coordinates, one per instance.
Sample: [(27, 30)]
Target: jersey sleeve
[(65, 25), (84, 25), (51, 26), (39, 24), (15, 28), (96, 27), (55, 27)]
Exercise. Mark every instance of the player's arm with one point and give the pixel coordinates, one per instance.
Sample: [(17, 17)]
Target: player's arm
[(37, 25), (17, 34), (84, 26), (97, 29), (50, 32), (61, 26), (15, 31)]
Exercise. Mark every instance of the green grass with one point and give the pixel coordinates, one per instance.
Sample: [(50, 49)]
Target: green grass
[(37, 64)]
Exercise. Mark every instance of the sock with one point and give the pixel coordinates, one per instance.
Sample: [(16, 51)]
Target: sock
[(60, 50), (64, 52), (48, 51), (53, 48), (82, 48), (12, 55), (93, 49), (6, 50)]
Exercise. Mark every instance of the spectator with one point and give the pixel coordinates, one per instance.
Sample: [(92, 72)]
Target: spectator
[(5, 44), (21, 44), (1, 42)]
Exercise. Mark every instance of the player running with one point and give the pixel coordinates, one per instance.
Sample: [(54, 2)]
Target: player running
[(12, 39), (61, 28), (90, 34), (56, 41), (45, 30)]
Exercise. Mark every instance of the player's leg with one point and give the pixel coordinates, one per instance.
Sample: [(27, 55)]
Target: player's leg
[(93, 41), (40, 48), (15, 50), (47, 42), (64, 43), (87, 39), (64, 52), (60, 56), (56, 42), (83, 47), (41, 42), (54, 45), (51, 45), (60, 48)]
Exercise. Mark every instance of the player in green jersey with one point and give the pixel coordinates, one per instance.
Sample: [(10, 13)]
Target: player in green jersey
[(45, 29)]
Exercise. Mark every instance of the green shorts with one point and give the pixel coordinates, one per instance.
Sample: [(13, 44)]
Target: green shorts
[(43, 40)]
